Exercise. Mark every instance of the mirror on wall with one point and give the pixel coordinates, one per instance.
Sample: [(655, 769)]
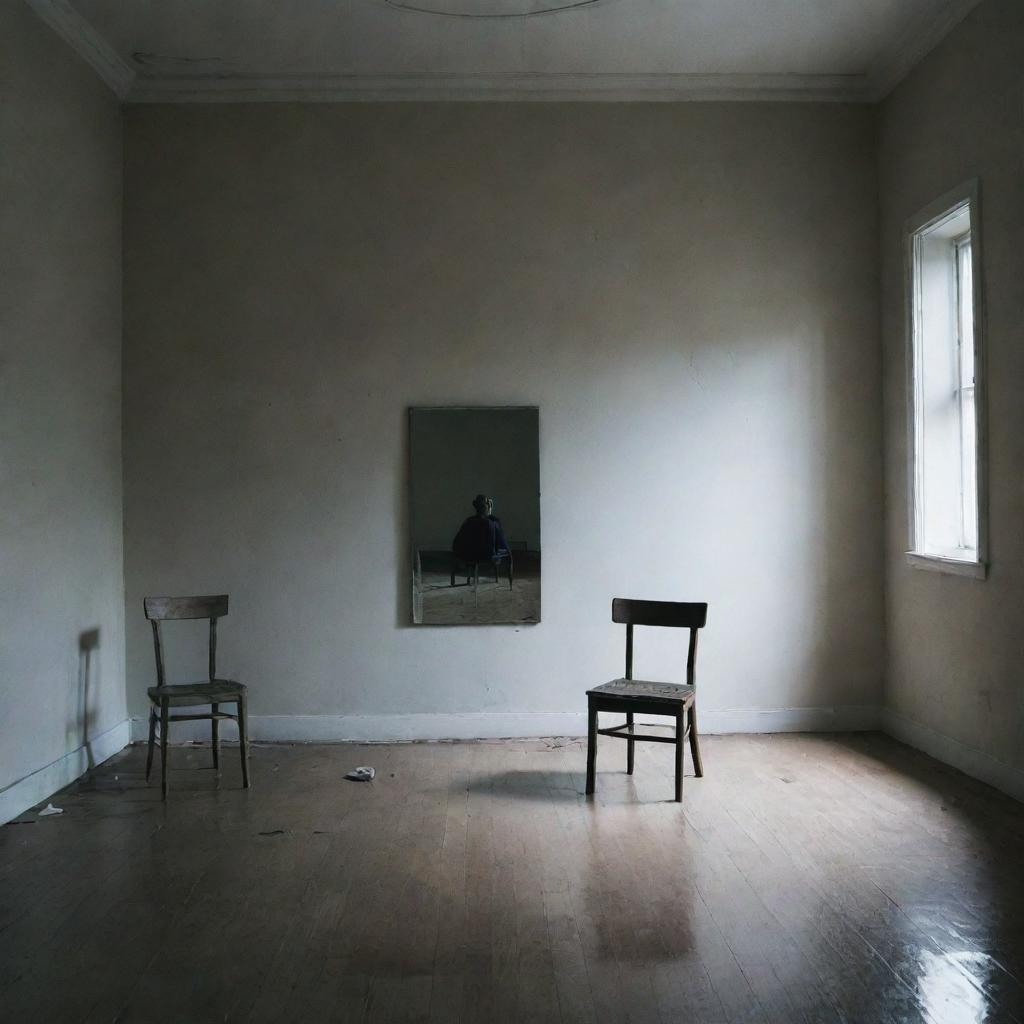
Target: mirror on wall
[(475, 516)]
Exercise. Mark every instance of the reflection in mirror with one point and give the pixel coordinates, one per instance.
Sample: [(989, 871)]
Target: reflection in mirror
[(475, 516)]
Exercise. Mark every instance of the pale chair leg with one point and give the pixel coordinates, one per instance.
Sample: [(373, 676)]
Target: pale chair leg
[(591, 747), (680, 746), (164, 719), (152, 741), (215, 737), (698, 766), (243, 739), (630, 744)]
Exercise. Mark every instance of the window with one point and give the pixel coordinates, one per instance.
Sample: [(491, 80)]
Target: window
[(947, 520)]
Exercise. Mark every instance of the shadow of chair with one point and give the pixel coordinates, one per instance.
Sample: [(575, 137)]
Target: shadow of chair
[(88, 641)]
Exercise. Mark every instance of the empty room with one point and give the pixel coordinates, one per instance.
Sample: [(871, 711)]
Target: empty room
[(511, 511)]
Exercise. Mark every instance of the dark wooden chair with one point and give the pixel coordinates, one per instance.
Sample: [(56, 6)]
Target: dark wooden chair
[(631, 696), (214, 692)]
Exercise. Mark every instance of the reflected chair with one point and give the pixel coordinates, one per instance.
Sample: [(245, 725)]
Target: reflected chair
[(473, 575), (214, 692), (631, 696)]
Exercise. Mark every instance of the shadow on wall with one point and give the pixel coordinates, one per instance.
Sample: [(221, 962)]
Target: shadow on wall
[(88, 641), (849, 618)]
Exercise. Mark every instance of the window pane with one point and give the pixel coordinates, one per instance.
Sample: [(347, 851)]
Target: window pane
[(965, 304), (968, 432)]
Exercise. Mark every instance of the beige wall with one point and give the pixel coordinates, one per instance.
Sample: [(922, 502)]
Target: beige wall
[(955, 644), (688, 292), (60, 412)]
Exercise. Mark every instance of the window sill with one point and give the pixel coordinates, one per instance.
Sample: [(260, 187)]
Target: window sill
[(953, 566)]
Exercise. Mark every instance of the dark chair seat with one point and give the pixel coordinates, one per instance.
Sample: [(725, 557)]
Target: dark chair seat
[(183, 695), (642, 689)]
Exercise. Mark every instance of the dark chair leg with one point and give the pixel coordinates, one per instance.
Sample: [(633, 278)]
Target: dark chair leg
[(698, 766), (509, 572), (591, 746), (243, 739), (630, 744), (453, 572), (215, 737), (164, 719), (152, 741), (680, 745), (495, 572)]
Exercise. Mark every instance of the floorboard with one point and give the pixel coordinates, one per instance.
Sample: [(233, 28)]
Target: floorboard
[(804, 880)]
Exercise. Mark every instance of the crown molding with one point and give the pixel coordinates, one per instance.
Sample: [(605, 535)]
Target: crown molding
[(475, 87), (87, 43), (437, 10), (888, 70), (280, 87)]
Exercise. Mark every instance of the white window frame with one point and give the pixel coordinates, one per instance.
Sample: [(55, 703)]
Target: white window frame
[(967, 195)]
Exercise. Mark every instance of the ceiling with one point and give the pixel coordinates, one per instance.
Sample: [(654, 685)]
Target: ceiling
[(253, 50)]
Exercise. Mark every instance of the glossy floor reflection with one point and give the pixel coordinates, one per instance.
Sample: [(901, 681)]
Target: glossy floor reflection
[(804, 879)]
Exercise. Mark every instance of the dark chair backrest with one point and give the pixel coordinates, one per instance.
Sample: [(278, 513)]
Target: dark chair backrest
[(159, 609), (691, 615)]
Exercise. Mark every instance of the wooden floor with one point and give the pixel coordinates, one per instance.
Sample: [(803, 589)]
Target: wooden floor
[(805, 879), (489, 601)]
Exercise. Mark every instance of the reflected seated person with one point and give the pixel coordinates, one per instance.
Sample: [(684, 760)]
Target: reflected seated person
[(481, 539)]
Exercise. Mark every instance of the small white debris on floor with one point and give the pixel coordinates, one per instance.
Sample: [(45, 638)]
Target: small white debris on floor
[(50, 809), (363, 774)]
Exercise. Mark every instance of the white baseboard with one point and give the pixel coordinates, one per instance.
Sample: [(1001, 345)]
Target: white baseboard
[(969, 760), (500, 725), (835, 719), (44, 782)]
